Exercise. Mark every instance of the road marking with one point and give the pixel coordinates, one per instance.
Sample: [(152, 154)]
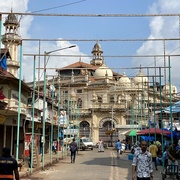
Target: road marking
[(114, 173)]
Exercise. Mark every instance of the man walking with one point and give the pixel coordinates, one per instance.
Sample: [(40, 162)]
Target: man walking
[(142, 164), (118, 148), (73, 149), (172, 154), (8, 166), (153, 150)]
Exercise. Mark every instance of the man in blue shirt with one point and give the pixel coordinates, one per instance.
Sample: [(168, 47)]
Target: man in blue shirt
[(8, 166), (118, 147)]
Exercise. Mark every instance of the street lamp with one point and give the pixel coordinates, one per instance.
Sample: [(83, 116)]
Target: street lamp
[(44, 98)]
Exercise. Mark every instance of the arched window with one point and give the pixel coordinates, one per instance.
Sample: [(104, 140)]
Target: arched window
[(111, 99), (79, 103), (99, 99)]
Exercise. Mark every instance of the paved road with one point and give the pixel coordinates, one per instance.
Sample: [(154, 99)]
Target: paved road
[(90, 165)]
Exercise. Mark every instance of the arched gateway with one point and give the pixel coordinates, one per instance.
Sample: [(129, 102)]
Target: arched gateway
[(107, 132), (84, 129)]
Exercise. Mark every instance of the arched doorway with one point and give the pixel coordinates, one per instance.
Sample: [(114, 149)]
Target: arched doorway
[(84, 130), (107, 132)]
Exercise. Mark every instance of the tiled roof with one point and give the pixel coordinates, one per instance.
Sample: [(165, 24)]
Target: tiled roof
[(4, 73), (79, 64)]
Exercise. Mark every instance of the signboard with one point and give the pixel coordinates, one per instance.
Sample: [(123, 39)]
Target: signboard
[(37, 115), (63, 119), (13, 121), (14, 102), (71, 131), (2, 119)]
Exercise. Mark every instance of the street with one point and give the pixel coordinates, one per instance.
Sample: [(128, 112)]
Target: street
[(90, 165)]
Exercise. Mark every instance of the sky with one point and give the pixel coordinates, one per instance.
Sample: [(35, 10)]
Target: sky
[(85, 31)]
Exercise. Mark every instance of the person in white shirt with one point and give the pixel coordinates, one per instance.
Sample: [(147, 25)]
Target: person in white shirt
[(142, 164)]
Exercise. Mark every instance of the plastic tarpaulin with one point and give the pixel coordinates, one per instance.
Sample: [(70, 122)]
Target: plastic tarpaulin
[(175, 108)]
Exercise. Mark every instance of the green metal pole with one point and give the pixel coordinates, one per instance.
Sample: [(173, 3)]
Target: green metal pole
[(67, 124), (160, 91), (44, 111), (59, 98), (154, 110), (148, 111), (169, 63), (19, 104), (33, 99), (52, 124)]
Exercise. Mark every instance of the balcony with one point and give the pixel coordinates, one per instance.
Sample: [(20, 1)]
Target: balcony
[(13, 63)]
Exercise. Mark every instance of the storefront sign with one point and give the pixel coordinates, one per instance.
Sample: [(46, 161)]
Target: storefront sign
[(2, 119), (37, 115)]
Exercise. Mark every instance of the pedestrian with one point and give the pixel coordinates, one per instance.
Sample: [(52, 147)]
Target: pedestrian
[(101, 147), (172, 154), (153, 150), (73, 149), (8, 166), (54, 147), (118, 148), (142, 164)]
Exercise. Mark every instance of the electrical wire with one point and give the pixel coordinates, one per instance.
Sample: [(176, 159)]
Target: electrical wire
[(56, 7)]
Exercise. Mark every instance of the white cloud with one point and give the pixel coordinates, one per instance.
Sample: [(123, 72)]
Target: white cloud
[(162, 27), (30, 47)]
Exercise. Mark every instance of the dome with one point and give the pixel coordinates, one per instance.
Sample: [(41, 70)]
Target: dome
[(103, 72), (166, 89), (97, 48), (124, 81), (141, 78), (11, 19)]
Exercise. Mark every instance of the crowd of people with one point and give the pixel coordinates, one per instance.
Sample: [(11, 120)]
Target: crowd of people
[(148, 153)]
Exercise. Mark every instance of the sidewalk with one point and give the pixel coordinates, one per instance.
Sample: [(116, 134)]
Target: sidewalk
[(26, 171)]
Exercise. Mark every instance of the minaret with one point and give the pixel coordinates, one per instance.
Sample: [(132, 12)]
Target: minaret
[(97, 52), (11, 41)]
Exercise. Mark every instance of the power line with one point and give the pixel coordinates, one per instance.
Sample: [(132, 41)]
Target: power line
[(138, 39), (92, 15), (56, 7), (109, 56)]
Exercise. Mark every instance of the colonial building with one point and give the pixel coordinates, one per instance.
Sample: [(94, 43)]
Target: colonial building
[(104, 104), (98, 102)]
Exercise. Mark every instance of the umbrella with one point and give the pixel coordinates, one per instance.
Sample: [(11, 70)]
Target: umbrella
[(133, 132), (153, 131)]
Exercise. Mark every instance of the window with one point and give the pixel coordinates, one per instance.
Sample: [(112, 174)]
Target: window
[(65, 92), (79, 90), (79, 103), (99, 99), (111, 99)]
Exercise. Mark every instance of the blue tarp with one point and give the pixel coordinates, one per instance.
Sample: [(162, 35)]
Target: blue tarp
[(148, 138), (3, 63), (175, 108)]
